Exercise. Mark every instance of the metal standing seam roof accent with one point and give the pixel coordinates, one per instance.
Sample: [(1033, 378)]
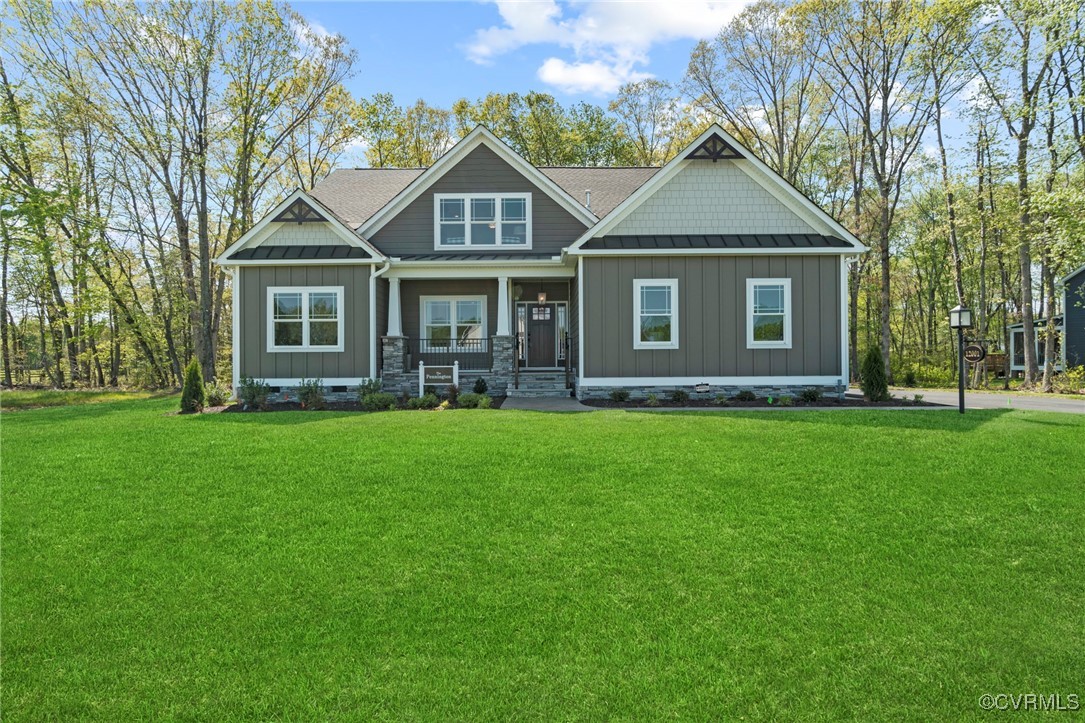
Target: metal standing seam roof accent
[(301, 253), (476, 257), (723, 241)]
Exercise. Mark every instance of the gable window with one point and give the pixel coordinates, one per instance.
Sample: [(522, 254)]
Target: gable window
[(655, 313), (482, 219), (305, 318), (768, 304), (456, 323)]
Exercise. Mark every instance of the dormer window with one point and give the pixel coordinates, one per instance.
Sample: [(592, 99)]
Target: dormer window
[(482, 219)]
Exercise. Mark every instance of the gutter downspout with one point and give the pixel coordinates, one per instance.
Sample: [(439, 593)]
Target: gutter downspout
[(373, 275)]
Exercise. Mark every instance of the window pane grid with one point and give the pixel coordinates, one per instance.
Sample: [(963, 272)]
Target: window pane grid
[(769, 314), (468, 221), (304, 319), (655, 322)]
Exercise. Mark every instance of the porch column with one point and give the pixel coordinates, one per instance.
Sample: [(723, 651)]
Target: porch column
[(503, 328), (395, 318)]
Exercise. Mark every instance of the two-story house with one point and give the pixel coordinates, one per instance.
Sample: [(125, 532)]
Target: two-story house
[(711, 272)]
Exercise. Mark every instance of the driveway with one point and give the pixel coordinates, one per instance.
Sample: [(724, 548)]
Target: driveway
[(998, 400)]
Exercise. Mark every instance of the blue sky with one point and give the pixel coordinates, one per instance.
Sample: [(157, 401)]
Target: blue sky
[(442, 51)]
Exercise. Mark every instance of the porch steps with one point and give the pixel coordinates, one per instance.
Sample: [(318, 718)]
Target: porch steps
[(534, 386)]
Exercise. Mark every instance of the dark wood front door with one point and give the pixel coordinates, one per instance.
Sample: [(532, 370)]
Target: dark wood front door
[(541, 325)]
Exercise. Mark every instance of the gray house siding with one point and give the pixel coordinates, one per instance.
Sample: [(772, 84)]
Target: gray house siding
[(1074, 320), (257, 362), (712, 317), (481, 171)]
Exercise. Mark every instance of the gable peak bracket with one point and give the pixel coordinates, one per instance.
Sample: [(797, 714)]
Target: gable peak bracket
[(300, 212), (714, 149)]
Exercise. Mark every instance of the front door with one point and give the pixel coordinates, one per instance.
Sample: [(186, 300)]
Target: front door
[(541, 327)]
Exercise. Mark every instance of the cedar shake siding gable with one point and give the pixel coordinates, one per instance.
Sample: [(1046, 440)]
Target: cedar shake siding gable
[(411, 231), (712, 317)]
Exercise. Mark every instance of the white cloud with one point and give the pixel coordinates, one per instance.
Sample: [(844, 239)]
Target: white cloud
[(608, 40), (592, 77)]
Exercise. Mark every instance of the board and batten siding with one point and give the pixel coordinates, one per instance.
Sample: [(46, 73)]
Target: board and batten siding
[(712, 198), (259, 363), (1073, 341), (712, 315), (481, 171), (303, 234)]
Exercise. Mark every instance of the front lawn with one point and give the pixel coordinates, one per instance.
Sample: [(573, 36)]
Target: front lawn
[(19, 399), (871, 565)]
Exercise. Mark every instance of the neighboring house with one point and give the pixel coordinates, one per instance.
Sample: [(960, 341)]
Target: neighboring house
[(1017, 345), (1069, 329), (709, 273)]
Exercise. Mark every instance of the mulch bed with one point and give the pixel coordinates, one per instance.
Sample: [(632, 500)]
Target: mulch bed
[(495, 403), (760, 403)]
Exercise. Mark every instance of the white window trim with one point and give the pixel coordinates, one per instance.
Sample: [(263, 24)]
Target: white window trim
[(304, 291), (638, 284), (423, 323), (788, 311), (467, 198)]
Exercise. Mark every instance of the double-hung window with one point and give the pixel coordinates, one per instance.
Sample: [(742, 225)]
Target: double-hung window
[(768, 304), (454, 323), (655, 313), (482, 219), (305, 318)]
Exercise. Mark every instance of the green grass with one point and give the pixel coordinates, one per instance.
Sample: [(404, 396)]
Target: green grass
[(20, 399), (871, 565)]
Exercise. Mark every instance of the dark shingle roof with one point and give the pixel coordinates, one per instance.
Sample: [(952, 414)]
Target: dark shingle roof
[(355, 195), (737, 241), (300, 253)]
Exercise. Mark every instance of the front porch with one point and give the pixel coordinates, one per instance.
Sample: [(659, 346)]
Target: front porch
[(513, 332)]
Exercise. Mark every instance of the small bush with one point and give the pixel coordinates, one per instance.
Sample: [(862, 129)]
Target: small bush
[(426, 401), (810, 395), (379, 402), (722, 400), (369, 386), (253, 393), (484, 402), (909, 378), (311, 394), (872, 376), (619, 395), (652, 401), (1071, 381), (787, 401), (918, 398), (452, 393), (193, 394), (445, 404), (216, 394), (481, 386), (679, 396), (745, 396), (469, 400)]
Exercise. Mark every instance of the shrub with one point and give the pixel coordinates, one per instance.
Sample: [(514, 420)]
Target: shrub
[(722, 400), (918, 398), (193, 394), (619, 395), (369, 386), (484, 402), (745, 396), (311, 393), (679, 396), (253, 393), (787, 401), (481, 386), (379, 402), (652, 401), (872, 376), (1071, 381), (469, 400), (452, 393), (426, 401), (909, 378), (810, 395), (216, 394)]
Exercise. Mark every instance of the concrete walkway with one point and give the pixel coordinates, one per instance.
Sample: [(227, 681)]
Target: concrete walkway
[(998, 400)]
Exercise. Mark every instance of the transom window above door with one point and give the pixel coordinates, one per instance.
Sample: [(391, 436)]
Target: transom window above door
[(482, 219)]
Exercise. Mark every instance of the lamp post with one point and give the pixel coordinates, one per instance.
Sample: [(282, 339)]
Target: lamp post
[(960, 318)]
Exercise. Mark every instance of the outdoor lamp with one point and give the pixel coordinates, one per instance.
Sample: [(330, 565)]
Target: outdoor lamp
[(960, 317), (542, 298)]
